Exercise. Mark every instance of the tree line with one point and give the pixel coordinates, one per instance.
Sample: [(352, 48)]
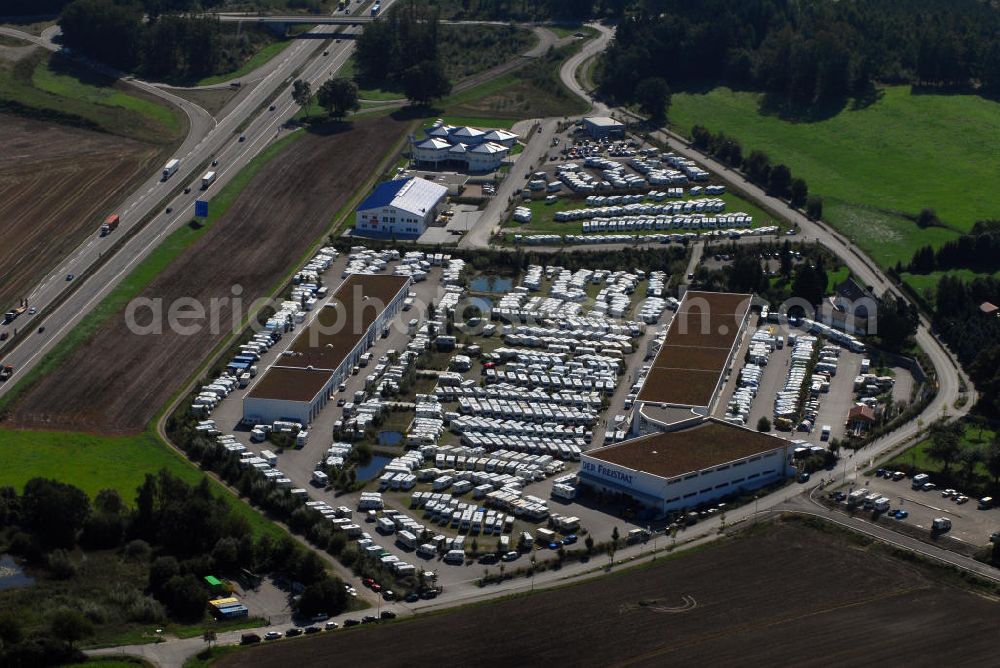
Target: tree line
[(978, 250), (775, 179), (142, 37), (175, 532), (533, 10), (402, 48), (805, 51)]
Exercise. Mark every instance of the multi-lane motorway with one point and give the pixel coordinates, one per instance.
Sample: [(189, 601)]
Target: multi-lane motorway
[(96, 275)]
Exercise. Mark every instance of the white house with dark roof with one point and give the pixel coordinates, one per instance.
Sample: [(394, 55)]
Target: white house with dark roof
[(402, 208), (464, 147)]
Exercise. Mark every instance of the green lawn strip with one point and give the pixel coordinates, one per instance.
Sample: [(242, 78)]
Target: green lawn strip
[(902, 153), (68, 86), (917, 456), (835, 278), (140, 277), (73, 95), (256, 60)]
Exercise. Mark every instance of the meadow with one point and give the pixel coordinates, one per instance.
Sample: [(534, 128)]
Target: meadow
[(876, 165)]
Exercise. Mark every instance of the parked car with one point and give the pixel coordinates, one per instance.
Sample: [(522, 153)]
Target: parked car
[(249, 638), (330, 626), (311, 629), (511, 556), (368, 619), (489, 558), (412, 598), (350, 622), (388, 595), (272, 635), (292, 632), (388, 614)]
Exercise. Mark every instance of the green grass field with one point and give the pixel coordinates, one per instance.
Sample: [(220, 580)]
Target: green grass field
[(926, 284), (875, 164), (46, 86), (917, 455), (255, 61), (93, 463)]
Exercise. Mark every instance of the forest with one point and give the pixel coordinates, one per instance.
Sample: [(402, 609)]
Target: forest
[(979, 250), (141, 36), (805, 52), (106, 566)]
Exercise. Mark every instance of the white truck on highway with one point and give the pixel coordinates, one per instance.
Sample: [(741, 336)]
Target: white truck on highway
[(170, 168), (207, 180)]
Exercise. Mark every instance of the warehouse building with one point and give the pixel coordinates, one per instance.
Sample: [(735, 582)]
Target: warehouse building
[(599, 127), (463, 147), (299, 384), (402, 208), (682, 469), (691, 365)]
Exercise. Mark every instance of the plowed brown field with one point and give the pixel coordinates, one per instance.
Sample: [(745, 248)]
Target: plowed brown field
[(117, 380), (55, 184), (788, 596)]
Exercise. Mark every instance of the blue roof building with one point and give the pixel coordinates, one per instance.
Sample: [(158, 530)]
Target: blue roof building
[(402, 208)]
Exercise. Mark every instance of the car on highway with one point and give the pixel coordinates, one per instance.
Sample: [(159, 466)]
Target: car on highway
[(326, 53), (272, 635), (69, 277), (3, 336), (215, 162), (271, 108), (41, 329), (169, 209), (32, 311), (187, 189), (243, 138)]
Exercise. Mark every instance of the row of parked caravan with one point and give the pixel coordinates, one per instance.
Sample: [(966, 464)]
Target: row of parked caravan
[(592, 239), (786, 402), (643, 209), (729, 221), (823, 371)]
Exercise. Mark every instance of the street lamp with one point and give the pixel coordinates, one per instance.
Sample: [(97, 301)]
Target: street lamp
[(755, 497)]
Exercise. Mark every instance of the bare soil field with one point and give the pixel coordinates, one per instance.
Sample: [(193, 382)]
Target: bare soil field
[(786, 595), (116, 381), (56, 183)]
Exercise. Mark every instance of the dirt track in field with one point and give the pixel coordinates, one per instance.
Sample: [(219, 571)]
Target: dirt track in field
[(787, 596), (56, 183), (116, 381)]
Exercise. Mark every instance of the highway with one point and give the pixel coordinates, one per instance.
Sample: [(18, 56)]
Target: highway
[(208, 139)]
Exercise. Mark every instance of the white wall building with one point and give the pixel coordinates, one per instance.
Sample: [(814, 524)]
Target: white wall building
[(463, 147), (603, 126), (402, 208), (682, 469), (300, 382)]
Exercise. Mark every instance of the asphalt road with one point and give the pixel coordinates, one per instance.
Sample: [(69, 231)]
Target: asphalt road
[(207, 140)]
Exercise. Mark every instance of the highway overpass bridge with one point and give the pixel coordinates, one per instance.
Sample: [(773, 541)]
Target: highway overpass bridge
[(291, 19)]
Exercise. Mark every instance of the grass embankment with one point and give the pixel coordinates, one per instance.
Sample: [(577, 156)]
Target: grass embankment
[(49, 87), (258, 59), (876, 166)]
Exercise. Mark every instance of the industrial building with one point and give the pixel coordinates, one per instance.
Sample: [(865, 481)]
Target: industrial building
[(599, 127), (674, 470), (401, 208), (466, 148), (299, 384), (691, 365)]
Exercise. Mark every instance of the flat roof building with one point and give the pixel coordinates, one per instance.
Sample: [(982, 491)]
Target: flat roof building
[(298, 385), (603, 126), (690, 367), (674, 470), (402, 208)]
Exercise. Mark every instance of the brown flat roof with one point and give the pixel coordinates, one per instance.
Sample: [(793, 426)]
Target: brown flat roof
[(290, 384), (339, 325), (300, 373), (699, 341), (673, 453)]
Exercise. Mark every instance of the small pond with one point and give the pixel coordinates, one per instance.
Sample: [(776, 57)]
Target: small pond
[(390, 437), (494, 284), (12, 575), (373, 468)]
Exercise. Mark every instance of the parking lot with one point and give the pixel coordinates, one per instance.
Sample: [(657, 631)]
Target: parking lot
[(969, 523), (552, 294)]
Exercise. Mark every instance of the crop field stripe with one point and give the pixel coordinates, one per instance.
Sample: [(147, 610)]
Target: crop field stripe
[(158, 260)]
